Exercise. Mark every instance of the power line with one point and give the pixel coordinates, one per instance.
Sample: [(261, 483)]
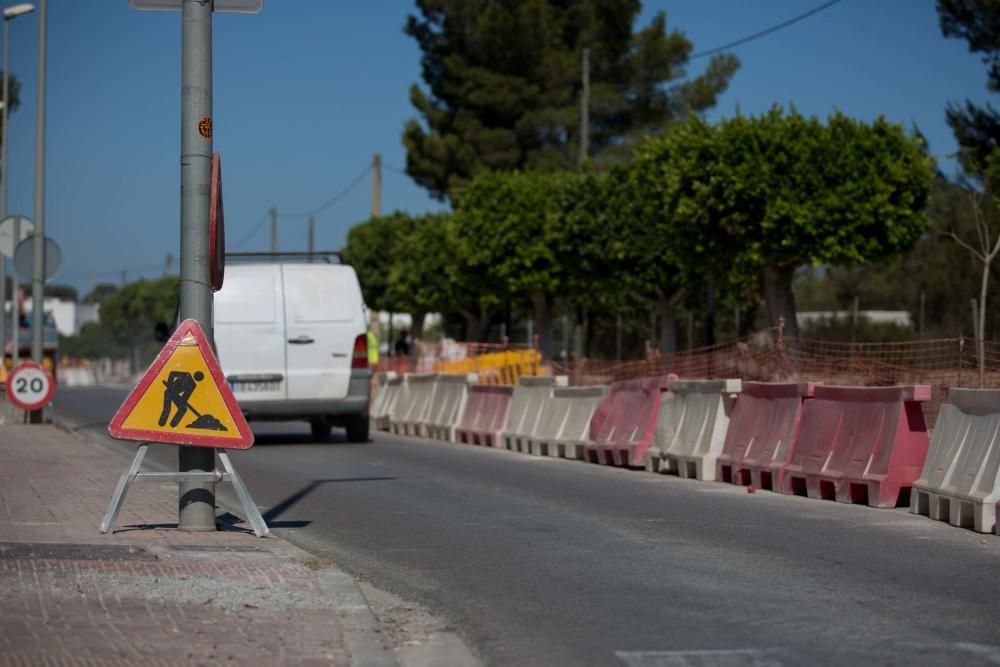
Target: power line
[(332, 201), (762, 33), (395, 169), (249, 236)]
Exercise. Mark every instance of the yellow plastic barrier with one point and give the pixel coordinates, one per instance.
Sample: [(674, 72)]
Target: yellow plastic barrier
[(503, 368)]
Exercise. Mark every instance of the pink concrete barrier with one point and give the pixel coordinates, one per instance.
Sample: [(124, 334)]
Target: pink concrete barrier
[(862, 445), (485, 415), (624, 424), (762, 433)]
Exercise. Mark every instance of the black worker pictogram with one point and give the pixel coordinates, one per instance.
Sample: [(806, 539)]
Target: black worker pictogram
[(179, 386)]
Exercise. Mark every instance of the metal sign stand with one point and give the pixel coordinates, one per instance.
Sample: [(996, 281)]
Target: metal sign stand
[(133, 474)]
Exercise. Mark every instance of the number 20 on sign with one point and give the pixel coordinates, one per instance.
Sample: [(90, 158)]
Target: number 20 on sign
[(30, 386)]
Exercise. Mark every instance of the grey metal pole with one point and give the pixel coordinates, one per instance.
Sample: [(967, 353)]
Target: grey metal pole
[(15, 354), (38, 272), (585, 110), (5, 175), (196, 500)]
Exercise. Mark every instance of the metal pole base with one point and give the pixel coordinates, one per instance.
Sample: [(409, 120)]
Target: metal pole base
[(133, 474)]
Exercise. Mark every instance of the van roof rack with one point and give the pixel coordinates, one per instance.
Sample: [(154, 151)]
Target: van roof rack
[(316, 255)]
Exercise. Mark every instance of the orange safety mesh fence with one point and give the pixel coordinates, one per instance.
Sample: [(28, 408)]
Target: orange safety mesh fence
[(770, 357)]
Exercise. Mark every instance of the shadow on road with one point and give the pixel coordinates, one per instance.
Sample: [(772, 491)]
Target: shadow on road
[(290, 501)]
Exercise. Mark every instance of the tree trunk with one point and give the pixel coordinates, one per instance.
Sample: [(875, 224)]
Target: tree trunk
[(473, 325), (779, 297), (543, 324), (666, 307), (981, 333), (417, 330)]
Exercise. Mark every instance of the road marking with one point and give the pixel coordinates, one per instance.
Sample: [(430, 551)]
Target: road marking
[(749, 657)]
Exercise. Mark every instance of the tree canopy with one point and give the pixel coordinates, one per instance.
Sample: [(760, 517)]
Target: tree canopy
[(977, 128), (503, 82), (770, 193)]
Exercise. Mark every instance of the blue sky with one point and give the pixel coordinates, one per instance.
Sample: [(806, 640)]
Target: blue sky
[(308, 90)]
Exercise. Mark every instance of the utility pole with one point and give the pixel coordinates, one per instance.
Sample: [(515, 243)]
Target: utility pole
[(38, 264), (274, 233), (167, 264), (124, 277), (312, 237), (376, 185), (585, 110), (196, 500)]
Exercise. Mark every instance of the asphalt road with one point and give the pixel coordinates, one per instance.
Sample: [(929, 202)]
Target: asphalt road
[(536, 561)]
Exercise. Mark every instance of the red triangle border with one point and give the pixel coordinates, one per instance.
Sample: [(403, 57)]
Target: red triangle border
[(116, 427)]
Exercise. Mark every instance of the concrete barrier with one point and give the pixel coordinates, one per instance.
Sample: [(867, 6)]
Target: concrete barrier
[(485, 415), (415, 408), (960, 482), (378, 404), (76, 377), (862, 445), (450, 392), (565, 428), (691, 427), (624, 423), (762, 432), (392, 393), (528, 400)]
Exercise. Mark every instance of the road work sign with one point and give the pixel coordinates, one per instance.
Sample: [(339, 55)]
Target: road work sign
[(183, 399)]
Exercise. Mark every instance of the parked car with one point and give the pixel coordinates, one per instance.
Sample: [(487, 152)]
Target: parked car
[(291, 339)]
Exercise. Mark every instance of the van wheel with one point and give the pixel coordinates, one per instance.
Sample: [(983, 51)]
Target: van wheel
[(357, 428), (320, 430)]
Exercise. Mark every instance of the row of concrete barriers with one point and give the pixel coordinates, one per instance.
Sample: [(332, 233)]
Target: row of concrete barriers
[(867, 445)]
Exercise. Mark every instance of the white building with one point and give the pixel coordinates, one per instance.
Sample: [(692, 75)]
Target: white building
[(69, 316)]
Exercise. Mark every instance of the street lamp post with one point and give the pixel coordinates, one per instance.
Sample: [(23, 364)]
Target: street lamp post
[(9, 14), (38, 265)]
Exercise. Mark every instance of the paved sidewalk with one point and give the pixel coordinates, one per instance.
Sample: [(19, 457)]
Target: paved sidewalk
[(149, 594)]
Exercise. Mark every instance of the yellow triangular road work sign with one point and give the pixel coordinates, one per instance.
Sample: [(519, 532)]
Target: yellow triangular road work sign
[(183, 399)]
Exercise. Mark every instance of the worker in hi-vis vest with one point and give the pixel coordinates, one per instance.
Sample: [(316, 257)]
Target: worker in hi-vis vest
[(372, 348)]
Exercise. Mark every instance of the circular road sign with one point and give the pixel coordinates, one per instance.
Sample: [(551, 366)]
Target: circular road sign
[(30, 386), (24, 258), (7, 240), (216, 228)]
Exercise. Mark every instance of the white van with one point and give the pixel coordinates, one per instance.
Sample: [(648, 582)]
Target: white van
[(291, 339)]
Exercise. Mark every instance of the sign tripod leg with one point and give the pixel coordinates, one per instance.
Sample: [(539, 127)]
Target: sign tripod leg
[(119, 495), (133, 474), (253, 514)]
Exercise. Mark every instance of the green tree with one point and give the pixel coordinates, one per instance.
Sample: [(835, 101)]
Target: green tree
[(129, 317), (774, 192), (503, 83), (510, 231), (977, 128), (370, 249), (422, 278)]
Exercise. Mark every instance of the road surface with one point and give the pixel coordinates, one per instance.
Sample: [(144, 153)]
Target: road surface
[(538, 561)]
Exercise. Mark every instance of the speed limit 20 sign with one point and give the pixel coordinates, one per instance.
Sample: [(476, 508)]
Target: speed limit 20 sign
[(30, 386)]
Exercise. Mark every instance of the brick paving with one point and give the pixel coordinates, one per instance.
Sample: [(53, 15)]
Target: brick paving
[(147, 594)]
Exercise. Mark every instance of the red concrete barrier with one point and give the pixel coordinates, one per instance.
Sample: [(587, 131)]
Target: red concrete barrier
[(485, 415), (860, 445), (762, 433), (624, 424)]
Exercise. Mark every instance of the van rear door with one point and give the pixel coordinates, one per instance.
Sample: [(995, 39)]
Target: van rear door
[(250, 332), (323, 316)]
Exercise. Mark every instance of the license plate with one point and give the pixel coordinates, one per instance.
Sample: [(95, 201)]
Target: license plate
[(240, 387)]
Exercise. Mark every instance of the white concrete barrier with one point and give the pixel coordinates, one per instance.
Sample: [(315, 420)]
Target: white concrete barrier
[(415, 408), (394, 403), (960, 482), (528, 400), (450, 393), (379, 409), (691, 428), (566, 430)]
